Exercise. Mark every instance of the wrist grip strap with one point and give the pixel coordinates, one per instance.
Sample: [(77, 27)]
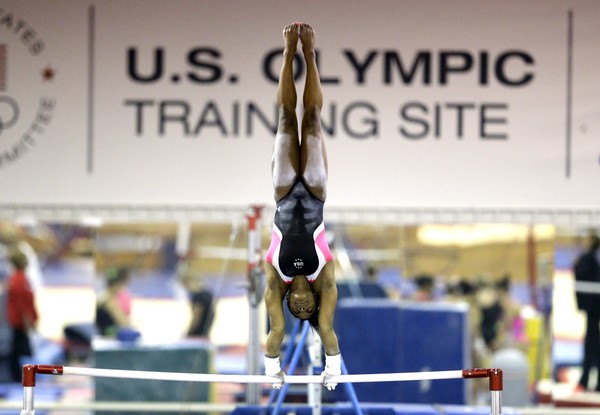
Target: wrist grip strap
[(272, 366), (333, 364)]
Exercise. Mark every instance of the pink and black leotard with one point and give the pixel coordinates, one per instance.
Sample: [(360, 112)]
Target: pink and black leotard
[(298, 244)]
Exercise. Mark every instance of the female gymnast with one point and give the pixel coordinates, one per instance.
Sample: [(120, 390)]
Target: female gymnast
[(299, 264)]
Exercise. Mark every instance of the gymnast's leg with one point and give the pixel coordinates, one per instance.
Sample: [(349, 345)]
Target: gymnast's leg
[(285, 164), (313, 157)]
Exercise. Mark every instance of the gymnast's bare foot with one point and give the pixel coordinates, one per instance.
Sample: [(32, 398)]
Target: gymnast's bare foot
[(290, 37), (307, 38)]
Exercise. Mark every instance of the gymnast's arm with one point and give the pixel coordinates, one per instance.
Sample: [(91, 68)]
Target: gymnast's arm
[(328, 294), (274, 292)]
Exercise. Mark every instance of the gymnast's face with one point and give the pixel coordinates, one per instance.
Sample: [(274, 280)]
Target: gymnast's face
[(302, 303)]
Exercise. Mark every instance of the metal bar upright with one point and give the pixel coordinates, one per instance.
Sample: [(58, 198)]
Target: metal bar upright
[(28, 380), (254, 299), (495, 376), (293, 364), (315, 390), (351, 392)]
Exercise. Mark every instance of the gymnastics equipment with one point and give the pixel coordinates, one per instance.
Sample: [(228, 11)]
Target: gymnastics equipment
[(312, 346), (382, 335), (255, 295), (31, 371)]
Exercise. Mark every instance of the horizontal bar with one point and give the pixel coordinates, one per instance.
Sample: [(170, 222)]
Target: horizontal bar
[(145, 406), (397, 377), (172, 376), (219, 378), (110, 406)]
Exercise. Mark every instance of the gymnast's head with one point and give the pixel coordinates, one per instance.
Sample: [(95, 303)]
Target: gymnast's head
[(303, 302)]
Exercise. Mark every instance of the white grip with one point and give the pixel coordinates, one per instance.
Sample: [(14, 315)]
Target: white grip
[(333, 365), (272, 366)]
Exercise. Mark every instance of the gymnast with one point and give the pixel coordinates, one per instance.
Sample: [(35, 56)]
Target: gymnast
[(299, 266)]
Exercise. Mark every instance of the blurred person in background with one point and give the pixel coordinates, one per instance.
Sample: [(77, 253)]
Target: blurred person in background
[(511, 332), (491, 313), (21, 312), (113, 307), (425, 284), (462, 290), (13, 236), (587, 271), (201, 304)]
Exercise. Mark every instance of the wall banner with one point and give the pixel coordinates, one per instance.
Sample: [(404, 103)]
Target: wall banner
[(444, 105)]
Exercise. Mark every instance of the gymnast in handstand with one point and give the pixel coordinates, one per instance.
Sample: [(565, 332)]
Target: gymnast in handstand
[(300, 268)]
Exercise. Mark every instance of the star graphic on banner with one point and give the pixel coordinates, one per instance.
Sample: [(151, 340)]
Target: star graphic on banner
[(48, 74)]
